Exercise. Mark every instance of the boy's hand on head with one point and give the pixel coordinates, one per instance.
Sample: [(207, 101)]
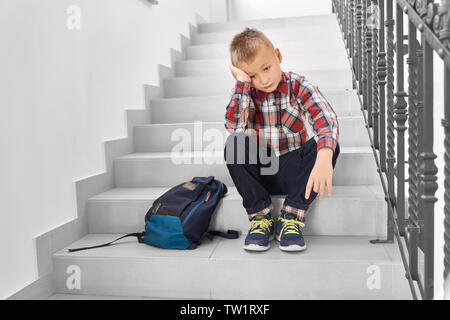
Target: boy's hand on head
[(321, 174), (239, 74)]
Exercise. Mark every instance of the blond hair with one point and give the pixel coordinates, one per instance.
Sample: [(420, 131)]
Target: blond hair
[(245, 45)]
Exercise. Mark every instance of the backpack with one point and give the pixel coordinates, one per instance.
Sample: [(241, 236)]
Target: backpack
[(180, 218)]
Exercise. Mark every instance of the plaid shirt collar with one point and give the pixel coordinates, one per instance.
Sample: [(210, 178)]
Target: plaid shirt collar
[(282, 87)]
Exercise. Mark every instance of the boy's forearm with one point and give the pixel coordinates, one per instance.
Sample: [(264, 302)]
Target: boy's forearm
[(237, 113), (325, 120)]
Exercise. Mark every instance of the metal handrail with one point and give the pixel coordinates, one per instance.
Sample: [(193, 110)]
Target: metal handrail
[(368, 32)]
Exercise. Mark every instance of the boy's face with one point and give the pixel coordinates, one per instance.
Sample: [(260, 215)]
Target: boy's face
[(264, 70)]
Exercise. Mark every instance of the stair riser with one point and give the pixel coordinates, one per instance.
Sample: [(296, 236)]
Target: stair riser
[(162, 278), (156, 138), (351, 169), (304, 22), (289, 280), (311, 60), (222, 279), (321, 35), (213, 108), (223, 83), (331, 216)]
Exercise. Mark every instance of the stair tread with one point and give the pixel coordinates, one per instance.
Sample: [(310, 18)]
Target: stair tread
[(323, 249), (332, 26), (225, 45), (225, 96), (227, 74), (132, 194), (281, 19), (194, 61), (347, 117), (217, 153)]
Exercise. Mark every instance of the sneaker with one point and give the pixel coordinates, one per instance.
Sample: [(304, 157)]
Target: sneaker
[(260, 234), (289, 234)]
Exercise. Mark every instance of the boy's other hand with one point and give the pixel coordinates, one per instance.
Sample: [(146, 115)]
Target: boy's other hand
[(239, 74)]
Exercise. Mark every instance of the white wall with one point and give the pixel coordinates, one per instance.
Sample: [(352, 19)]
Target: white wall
[(262, 9), (62, 93)]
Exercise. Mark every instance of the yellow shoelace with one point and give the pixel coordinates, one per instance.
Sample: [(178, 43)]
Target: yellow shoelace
[(259, 226), (291, 225)]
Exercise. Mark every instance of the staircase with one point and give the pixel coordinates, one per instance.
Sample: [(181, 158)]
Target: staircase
[(339, 263)]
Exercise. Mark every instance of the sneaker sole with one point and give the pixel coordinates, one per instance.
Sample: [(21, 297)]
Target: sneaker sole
[(291, 248), (255, 247)]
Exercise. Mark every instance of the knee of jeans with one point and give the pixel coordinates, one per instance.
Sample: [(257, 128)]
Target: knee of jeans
[(241, 135), (236, 141)]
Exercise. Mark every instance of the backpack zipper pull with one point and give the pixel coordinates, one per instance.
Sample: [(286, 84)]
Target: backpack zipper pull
[(207, 197)]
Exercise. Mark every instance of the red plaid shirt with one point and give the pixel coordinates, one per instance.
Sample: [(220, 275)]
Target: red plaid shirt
[(286, 118)]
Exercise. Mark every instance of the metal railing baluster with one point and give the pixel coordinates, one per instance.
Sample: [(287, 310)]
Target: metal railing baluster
[(446, 124), (390, 22), (375, 93), (359, 19), (381, 75), (400, 118), (442, 29), (413, 223), (368, 93), (364, 54), (428, 171)]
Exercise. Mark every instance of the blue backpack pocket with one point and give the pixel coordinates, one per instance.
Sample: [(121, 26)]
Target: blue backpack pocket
[(165, 232)]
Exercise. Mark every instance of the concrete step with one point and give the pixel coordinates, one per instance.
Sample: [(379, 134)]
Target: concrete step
[(355, 166), (223, 83), (326, 36), (331, 268), (350, 210), (262, 24), (212, 108), (287, 48), (164, 137)]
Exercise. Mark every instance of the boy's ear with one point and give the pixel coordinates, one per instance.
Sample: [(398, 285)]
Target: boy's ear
[(279, 56)]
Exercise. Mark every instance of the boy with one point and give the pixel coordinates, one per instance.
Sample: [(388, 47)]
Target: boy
[(285, 111)]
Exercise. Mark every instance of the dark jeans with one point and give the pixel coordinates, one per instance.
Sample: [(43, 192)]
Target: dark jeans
[(289, 174)]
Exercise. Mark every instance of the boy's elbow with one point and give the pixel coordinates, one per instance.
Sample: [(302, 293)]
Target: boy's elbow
[(235, 129)]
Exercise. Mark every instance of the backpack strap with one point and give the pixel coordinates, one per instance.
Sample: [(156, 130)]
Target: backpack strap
[(138, 235), (231, 234)]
